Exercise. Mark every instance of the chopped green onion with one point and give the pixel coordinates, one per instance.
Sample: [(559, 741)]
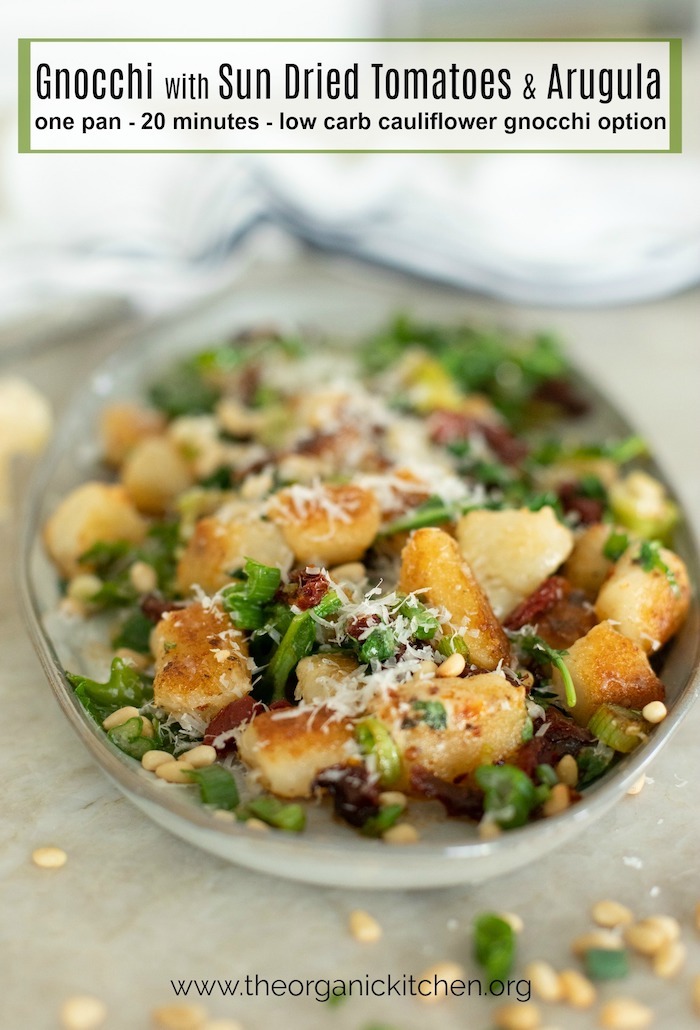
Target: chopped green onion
[(297, 643), (616, 545), (618, 727), (379, 645), (275, 813), (130, 739), (546, 775), (426, 625), (592, 763), (245, 599), (216, 786), (328, 605), (387, 816), (606, 963), (374, 739), (527, 731), (453, 645), (262, 581), (494, 946), (509, 794), (432, 713)]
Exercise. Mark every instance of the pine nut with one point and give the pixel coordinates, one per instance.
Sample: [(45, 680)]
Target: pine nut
[(697, 916), (174, 772), (199, 757), (488, 830), (392, 797), (49, 857), (669, 959), (83, 587), (402, 833), (603, 939), (448, 971), (544, 981), (224, 816), (82, 1012), (669, 926), (514, 921), (147, 728), (567, 771), (364, 927), (119, 717), (611, 913), (453, 666), (179, 1017), (152, 759), (638, 786), (645, 938), (427, 668), (256, 824), (518, 1016), (654, 712), (558, 801), (576, 989), (695, 989), (625, 1014), (351, 572), (143, 577)]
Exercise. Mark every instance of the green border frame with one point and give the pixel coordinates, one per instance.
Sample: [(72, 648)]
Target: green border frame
[(24, 91)]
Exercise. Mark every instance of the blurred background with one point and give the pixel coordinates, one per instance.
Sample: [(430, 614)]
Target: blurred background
[(82, 236)]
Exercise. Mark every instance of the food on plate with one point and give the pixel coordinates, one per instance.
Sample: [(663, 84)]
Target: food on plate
[(372, 575)]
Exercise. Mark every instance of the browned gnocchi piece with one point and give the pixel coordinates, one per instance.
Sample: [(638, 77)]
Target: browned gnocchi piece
[(124, 425), (287, 749), (512, 552), (452, 725), (587, 568), (326, 524), (433, 566), (647, 607), (201, 661), (608, 668), (319, 675), (217, 548), (92, 513), (154, 474)]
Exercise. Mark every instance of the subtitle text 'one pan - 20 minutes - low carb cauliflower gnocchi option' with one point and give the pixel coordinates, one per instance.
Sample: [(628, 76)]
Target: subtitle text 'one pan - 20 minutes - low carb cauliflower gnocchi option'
[(370, 575)]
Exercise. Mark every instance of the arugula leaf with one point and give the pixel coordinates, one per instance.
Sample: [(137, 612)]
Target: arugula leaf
[(542, 653), (124, 687)]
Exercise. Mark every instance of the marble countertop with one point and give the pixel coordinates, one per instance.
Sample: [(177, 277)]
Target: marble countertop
[(135, 908)]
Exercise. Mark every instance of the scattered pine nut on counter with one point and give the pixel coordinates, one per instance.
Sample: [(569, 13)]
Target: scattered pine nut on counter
[(82, 1012), (179, 1017), (625, 1014), (49, 857), (611, 913), (364, 927)]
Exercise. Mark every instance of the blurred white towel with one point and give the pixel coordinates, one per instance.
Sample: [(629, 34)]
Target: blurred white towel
[(541, 229)]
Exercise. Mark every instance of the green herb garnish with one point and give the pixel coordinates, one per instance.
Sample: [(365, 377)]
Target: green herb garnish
[(651, 561), (616, 545), (432, 713), (374, 738), (509, 794), (542, 653), (494, 946)]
